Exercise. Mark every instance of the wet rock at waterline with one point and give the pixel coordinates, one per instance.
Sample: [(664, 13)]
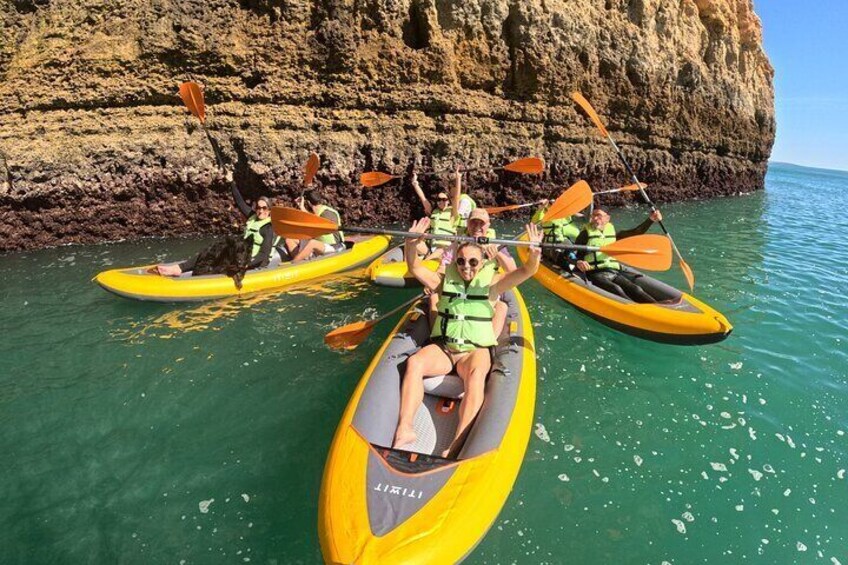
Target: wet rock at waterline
[(99, 146)]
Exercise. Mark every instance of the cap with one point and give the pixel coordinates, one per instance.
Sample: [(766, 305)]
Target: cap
[(479, 214), (441, 196)]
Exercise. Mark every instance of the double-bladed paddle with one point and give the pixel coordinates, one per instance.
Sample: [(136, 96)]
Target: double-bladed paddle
[(628, 188), (351, 335), (593, 115), (527, 166)]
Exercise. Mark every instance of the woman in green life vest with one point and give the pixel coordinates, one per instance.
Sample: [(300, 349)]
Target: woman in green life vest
[(442, 221), (324, 245), (463, 332), (602, 270), (563, 230), (258, 227)]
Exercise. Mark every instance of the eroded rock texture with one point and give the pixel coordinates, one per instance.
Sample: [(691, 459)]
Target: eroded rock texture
[(100, 147)]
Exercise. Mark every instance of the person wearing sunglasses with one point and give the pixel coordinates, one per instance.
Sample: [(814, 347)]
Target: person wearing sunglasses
[(442, 221), (258, 227), (463, 334)]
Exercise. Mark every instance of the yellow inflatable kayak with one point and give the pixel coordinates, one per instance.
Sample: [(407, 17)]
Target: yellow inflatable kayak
[(389, 269), (136, 282), (679, 318), (384, 505)]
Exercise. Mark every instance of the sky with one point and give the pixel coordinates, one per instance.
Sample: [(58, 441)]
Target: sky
[(807, 43)]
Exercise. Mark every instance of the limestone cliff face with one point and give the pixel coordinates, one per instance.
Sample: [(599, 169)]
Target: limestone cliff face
[(99, 146)]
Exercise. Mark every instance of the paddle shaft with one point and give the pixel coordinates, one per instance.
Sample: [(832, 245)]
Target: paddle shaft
[(470, 239), (642, 192), (397, 309)]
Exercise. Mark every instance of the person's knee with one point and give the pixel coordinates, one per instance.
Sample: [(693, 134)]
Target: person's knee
[(414, 366)]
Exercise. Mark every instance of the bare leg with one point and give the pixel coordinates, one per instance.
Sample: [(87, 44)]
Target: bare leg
[(473, 369), (430, 361), (313, 247), (169, 270), (499, 319), (292, 245)]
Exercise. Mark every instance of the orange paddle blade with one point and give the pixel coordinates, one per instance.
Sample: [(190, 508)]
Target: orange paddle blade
[(192, 97), (499, 209), (375, 178), (310, 169), (687, 272), (576, 198), (527, 166), (651, 252), (593, 115), (349, 336), (297, 224), (632, 187)]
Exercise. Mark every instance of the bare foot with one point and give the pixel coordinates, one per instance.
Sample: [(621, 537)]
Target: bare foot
[(169, 270), (404, 437)]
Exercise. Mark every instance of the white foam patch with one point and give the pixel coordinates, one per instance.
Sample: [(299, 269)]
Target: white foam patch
[(564, 478), (733, 453), (245, 497), (688, 517), (735, 366), (740, 507), (752, 434), (768, 468), (787, 492), (841, 473), (568, 447), (637, 460), (718, 466), (542, 433), (204, 505), (756, 474), (681, 527), (801, 547)]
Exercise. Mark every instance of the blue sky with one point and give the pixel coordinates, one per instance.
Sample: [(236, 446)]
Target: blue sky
[(807, 43)]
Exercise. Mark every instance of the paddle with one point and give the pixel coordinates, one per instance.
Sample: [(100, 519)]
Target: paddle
[(628, 188), (593, 115), (500, 209), (310, 169), (576, 198), (192, 97), (649, 252), (527, 166), (350, 336)]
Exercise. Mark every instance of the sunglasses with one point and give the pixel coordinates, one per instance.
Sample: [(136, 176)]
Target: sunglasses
[(442, 199), (473, 262), (261, 207)]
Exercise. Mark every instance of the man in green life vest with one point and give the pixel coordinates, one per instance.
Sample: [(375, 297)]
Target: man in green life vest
[(563, 230), (463, 333), (601, 269), (461, 203), (324, 245), (442, 221), (258, 227)]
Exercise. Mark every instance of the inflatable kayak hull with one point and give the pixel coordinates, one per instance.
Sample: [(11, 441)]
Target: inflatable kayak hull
[(681, 319), (138, 284), (390, 269), (383, 505)]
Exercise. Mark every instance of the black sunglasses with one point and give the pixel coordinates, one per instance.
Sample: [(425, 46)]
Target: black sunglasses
[(473, 262), (442, 199), (261, 207)]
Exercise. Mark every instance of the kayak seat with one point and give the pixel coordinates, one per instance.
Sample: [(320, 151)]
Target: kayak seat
[(445, 386)]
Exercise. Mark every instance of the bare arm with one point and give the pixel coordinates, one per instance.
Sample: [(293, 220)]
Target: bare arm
[(425, 276), (455, 192), (527, 270), (428, 208)]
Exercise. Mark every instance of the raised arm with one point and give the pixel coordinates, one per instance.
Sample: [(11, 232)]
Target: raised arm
[(425, 276), (455, 192), (428, 208), (526, 270), (655, 216), (246, 210)]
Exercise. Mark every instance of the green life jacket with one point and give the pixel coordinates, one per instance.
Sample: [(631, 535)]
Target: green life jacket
[(461, 221), (562, 230), (464, 319), (252, 228), (334, 238), (599, 238), (441, 223)]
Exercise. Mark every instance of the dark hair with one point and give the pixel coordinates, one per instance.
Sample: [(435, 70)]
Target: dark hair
[(476, 246), (311, 196)]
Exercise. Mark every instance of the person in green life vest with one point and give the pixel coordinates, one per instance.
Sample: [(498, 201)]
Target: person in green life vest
[(442, 221), (462, 336), (258, 226), (563, 230), (461, 203), (324, 245), (604, 271)]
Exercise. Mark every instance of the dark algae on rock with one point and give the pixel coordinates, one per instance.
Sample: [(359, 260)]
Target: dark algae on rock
[(99, 146)]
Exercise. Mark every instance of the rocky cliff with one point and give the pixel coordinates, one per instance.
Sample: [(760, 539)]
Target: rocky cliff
[(99, 146)]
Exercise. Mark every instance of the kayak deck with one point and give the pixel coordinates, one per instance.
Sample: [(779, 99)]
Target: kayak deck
[(679, 319), (385, 505), (139, 284)]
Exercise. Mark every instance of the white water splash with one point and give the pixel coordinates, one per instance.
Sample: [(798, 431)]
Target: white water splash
[(718, 467), (204, 505), (542, 433), (681, 527)]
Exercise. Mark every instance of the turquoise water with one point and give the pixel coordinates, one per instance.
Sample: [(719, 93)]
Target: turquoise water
[(120, 421)]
